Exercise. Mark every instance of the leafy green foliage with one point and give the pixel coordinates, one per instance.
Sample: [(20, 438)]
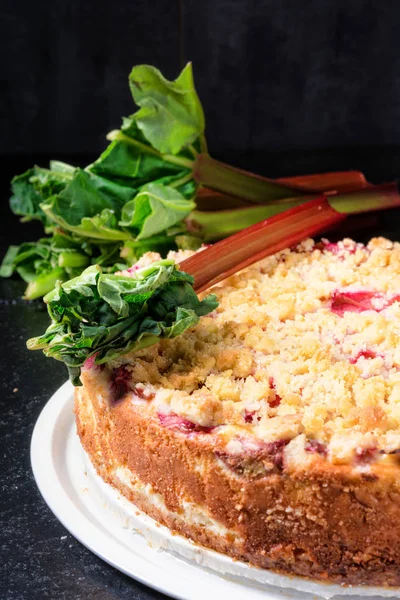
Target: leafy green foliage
[(168, 240), (171, 116), (8, 265), (101, 228), (138, 195), (131, 160), (154, 209), (48, 182), (132, 199), (85, 196), (25, 200), (134, 164), (35, 185), (58, 258), (104, 316)]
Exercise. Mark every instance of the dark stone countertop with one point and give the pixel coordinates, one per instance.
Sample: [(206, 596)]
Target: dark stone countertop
[(40, 559)]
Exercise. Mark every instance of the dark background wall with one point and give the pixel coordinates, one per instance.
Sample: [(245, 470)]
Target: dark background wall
[(279, 79)]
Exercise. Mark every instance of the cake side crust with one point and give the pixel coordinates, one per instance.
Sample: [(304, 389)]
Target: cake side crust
[(326, 522)]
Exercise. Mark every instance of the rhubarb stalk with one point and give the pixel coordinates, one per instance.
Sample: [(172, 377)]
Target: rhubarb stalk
[(236, 182), (214, 225), (262, 239), (327, 183), (336, 181)]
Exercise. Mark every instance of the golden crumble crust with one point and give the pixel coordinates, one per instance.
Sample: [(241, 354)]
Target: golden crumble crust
[(304, 342)]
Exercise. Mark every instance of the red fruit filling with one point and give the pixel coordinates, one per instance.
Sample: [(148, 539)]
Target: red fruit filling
[(274, 402), (332, 247), (133, 268), (274, 451), (343, 301), (366, 455), (141, 393), (335, 248), (177, 423), (363, 354), (252, 462), (120, 378), (249, 416), (91, 364), (316, 447), (356, 301)]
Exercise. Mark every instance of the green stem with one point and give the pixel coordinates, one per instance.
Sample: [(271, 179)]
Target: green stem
[(224, 178), (62, 168), (176, 160), (181, 181), (43, 284), (218, 224), (215, 225), (111, 256), (116, 134), (377, 197), (203, 144), (72, 260), (193, 150), (106, 235)]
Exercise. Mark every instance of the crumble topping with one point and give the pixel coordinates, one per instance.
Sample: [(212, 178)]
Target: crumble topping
[(303, 350)]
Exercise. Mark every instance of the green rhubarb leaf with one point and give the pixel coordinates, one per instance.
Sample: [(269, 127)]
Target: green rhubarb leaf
[(62, 168), (102, 228), (27, 259), (187, 241), (132, 250), (104, 316), (34, 186), (33, 261), (48, 182), (85, 196), (170, 115), (155, 209), (135, 163), (25, 200), (7, 267), (63, 240), (131, 161), (109, 255)]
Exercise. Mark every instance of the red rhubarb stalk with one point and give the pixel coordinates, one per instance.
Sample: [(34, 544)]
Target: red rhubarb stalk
[(281, 231), (262, 239), (337, 181)]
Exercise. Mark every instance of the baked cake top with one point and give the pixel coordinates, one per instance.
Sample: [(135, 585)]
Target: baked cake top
[(303, 352)]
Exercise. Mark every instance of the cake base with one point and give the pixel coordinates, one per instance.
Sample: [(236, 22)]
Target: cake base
[(162, 541), (114, 529), (326, 523)]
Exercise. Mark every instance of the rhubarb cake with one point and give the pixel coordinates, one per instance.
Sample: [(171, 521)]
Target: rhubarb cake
[(270, 432)]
